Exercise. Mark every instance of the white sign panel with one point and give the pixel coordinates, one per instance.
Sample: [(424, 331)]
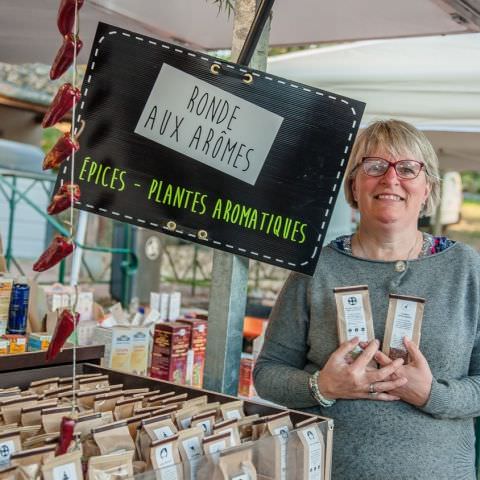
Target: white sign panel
[(208, 124)]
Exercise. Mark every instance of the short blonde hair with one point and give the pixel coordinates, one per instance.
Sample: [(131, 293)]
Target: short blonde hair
[(398, 139)]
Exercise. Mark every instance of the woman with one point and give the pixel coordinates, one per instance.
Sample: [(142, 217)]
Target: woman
[(411, 421)]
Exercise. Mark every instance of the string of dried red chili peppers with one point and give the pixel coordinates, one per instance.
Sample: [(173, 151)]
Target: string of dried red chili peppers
[(66, 99)]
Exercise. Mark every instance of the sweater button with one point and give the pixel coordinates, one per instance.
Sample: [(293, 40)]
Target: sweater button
[(400, 266)]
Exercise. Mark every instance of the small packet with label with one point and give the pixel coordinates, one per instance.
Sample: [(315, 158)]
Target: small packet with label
[(230, 426), (86, 423), (134, 423), (153, 429), (125, 408), (205, 420), (64, 467), (271, 456), (11, 409), (105, 402), (33, 415), (191, 451), (236, 464), (404, 319), (245, 426), (232, 410), (30, 461), (10, 442), (165, 459), (354, 315), (98, 382), (306, 450), (41, 386), (113, 437), (116, 466)]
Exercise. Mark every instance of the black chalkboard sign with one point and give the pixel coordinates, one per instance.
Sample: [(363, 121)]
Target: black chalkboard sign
[(177, 141)]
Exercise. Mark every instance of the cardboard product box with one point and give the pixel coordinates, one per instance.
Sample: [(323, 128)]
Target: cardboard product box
[(85, 305), (174, 306), (4, 346), (171, 342), (118, 346), (198, 332), (159, 301), (140, 350), (86, 333), (171, 339), (17, 343), (245, 381), (195, 368), (172, 369), (38, 341), (6, 286)]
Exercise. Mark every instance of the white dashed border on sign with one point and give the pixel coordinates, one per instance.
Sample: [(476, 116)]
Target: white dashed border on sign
[(179, 51)]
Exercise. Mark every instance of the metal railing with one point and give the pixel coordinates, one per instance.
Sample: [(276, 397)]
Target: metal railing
[(14, 195)]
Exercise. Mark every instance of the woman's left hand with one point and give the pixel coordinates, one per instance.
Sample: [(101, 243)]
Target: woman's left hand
[(417, 390)]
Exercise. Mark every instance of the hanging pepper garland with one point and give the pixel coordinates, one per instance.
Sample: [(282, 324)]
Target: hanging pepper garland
[(66, 98)]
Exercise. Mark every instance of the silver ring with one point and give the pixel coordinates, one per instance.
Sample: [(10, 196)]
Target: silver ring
[(371, 388), (372, 394)]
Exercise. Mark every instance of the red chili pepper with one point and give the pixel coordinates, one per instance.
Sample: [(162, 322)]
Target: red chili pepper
[(61, 104), (60, 151), (65, 55), (63, 198), (67, 428), (66, 15), (58, 249), (63, 329)]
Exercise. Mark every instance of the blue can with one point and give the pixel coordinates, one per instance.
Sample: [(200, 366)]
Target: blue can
[(18, 314)]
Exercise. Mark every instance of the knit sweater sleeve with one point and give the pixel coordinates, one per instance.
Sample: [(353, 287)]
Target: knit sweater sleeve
[(457, 397), (279, 373)]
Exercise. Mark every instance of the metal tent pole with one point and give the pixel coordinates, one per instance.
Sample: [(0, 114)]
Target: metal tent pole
[(228, 293)]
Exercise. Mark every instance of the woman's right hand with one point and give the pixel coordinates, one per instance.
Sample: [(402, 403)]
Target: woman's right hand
[(340, 378)]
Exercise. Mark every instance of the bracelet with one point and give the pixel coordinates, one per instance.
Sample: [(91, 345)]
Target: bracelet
[(315, 391)]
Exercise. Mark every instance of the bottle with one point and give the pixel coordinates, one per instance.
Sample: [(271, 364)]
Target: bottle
[(139, 316), (18, 313)]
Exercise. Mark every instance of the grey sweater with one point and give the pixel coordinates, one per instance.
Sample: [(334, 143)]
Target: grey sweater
[(374, 439)]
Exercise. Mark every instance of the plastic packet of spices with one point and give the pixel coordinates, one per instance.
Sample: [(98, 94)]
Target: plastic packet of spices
[(354, 315), (404, 319)]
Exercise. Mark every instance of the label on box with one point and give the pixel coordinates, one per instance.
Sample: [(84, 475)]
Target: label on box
[(164, 458), (6, 449), (315, 453), (65, 472), (194, 454), (163, 432), (355, 317), (282, 433), (403, 323)]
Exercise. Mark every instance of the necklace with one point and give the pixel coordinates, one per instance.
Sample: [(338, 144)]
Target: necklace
[(365, 253)]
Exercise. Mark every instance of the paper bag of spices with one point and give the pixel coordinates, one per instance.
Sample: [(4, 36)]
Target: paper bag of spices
[(116, 466), (404, 319), (354, 315), (232, 410), (165, 459), (307, 451), (270, 457), (63, 467), (10, 442), (113, 437), (191, 451), (235, 463)]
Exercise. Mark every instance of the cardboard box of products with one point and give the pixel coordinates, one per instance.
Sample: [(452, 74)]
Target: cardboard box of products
[(171, 342)]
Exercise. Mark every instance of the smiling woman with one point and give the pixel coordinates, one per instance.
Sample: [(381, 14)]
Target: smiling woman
[(412, 420)]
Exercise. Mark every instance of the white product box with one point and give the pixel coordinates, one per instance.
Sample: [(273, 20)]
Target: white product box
[(118, 346), (174, 306)]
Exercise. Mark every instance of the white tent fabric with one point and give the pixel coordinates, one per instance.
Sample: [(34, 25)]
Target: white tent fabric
[(432, 82), (28, 30)]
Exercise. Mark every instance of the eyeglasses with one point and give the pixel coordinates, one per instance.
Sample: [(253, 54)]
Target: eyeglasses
[(406, 169)]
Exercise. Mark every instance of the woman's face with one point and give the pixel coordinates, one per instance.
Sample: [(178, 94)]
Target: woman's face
[(390, 199)]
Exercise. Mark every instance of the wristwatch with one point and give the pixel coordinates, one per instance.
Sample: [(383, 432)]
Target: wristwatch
[(315, 391)]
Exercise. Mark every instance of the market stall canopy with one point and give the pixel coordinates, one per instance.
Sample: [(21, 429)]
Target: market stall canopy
[(432, 82), (28, 28)]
